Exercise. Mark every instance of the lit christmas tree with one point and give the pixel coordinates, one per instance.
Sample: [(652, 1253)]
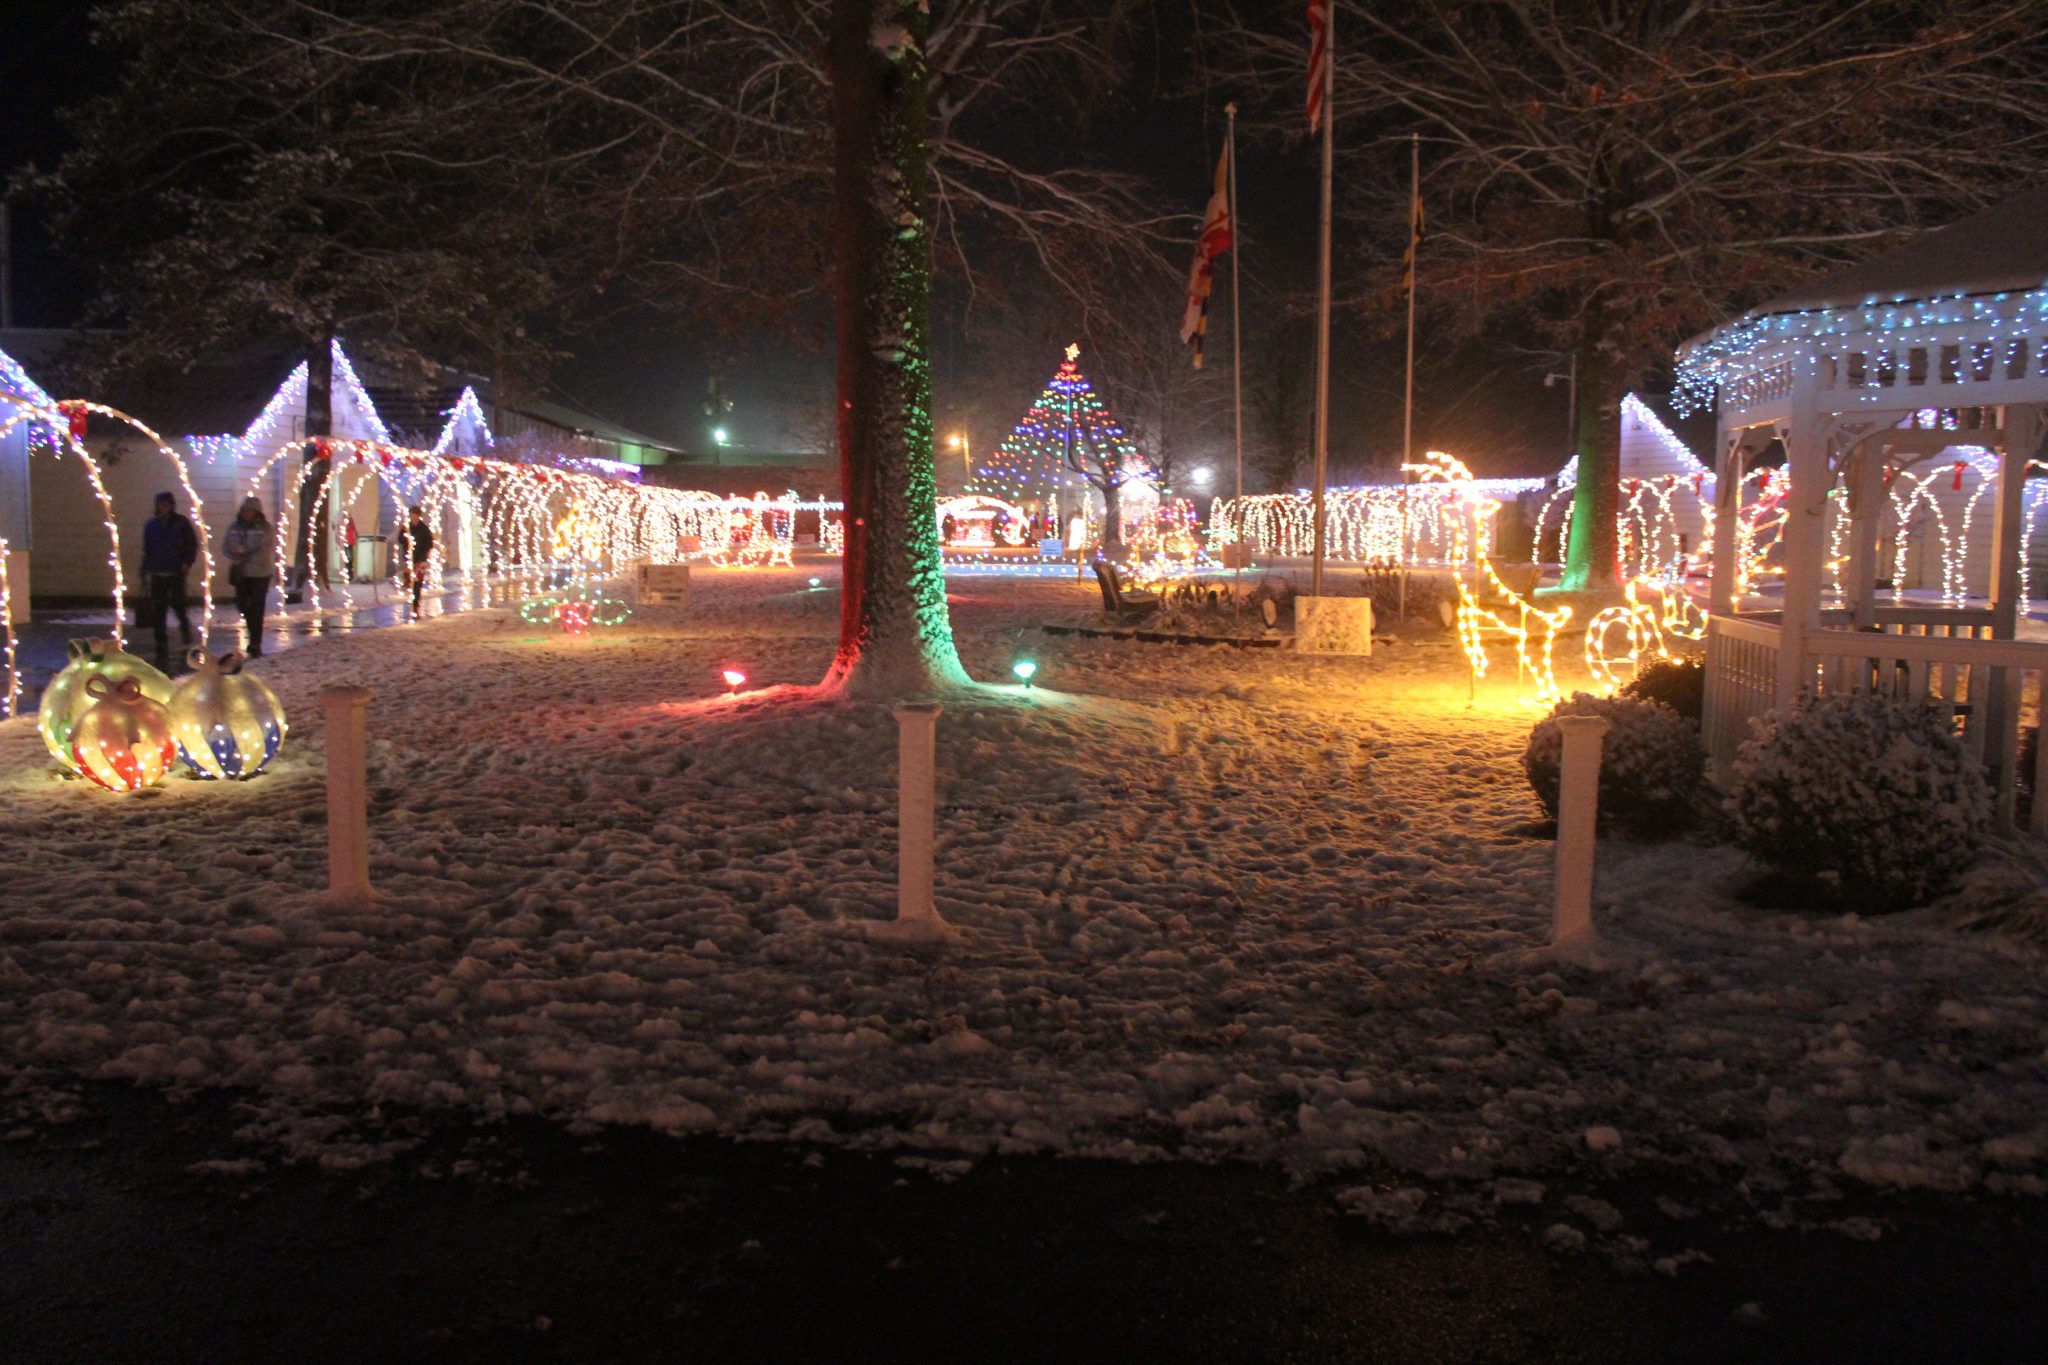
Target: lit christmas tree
[(1067, 435)]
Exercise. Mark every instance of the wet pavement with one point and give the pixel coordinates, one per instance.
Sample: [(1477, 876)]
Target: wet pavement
[(40, 644), (151, 1230)]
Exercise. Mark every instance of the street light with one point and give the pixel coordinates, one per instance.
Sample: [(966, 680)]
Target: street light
[(1202, 476), (1570, 379), (959, 441), (719, 435)]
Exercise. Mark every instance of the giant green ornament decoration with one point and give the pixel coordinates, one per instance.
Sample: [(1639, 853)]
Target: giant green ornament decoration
[(228, 725), (66, 698)]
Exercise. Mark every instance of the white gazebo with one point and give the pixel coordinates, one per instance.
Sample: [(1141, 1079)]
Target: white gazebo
[(1940, 345)]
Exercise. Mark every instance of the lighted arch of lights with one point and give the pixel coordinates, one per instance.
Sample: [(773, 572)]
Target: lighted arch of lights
[(532, 518), (62, 439), (79, 408), (758, 532), (1417, 524), (10, 686), (1649, 524)]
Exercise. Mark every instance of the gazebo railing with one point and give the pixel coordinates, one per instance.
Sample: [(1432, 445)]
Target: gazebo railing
[(1987, 686), (1741, 683), (1946, 623)]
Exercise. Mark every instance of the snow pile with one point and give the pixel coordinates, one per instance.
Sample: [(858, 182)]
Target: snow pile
[(1216, 904)]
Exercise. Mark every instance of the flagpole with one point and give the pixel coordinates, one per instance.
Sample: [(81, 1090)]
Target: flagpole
[(1408, 401), (1329, 119), (1236, 278)]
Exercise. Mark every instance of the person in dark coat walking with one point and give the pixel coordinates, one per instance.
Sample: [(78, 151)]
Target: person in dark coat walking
[(169, 547), (419, 545)]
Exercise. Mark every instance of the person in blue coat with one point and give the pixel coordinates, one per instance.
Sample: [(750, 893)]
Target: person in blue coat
[(169, 548)]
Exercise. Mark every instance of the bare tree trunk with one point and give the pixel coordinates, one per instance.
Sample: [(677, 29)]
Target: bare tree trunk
[(1593, 556), (309, 548), (895, 638), (1112, 522)]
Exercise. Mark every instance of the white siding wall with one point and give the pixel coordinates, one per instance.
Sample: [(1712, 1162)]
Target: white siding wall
[(69, 527), (1648, 451), (14, 486)]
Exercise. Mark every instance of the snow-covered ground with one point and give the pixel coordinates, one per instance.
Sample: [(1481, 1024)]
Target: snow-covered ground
[(1216, 903)]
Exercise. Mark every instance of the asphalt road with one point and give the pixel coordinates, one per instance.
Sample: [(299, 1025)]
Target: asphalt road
[(626, 1246)]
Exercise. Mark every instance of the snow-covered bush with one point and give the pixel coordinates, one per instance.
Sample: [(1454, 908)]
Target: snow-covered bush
[(1865, 797), (1649, 768), (1680, 684), (1421, 596)]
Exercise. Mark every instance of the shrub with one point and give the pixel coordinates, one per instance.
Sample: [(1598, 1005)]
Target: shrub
[(1861, 797), (1680, 684), (1381, 581), (1650, 762)]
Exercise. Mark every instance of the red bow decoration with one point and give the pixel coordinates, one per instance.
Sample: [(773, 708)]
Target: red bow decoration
[(1957, 485)]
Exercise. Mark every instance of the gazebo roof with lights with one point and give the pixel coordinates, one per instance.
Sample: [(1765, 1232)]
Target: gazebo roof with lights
[(1919, 315)]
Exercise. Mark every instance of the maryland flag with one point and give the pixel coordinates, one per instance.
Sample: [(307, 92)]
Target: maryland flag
[(1215, 240), (1415, 226)]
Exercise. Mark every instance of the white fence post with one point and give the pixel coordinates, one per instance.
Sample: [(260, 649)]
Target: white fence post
[(1578, 817), (917, 918), (348, 819)]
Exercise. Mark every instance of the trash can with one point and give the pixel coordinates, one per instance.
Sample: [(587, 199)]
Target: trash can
[(373, 558)]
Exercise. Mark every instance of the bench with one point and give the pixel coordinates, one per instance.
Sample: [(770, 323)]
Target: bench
[(1116, 600)]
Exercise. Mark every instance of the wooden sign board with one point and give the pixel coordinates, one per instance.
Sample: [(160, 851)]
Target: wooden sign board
[(664, 583), (1333, 625)]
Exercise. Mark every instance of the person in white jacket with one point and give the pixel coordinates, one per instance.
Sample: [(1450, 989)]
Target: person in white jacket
[(250, 547)]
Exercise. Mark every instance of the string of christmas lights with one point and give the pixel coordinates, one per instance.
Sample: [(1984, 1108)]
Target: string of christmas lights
[(1397, 523), (1961, 338), (62, 431), (1463, 517), (979, 520), (1643, 629), (12, 689), (1066, 424)]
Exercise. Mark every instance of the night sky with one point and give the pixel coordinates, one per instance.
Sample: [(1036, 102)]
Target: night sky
[(1485, 400)]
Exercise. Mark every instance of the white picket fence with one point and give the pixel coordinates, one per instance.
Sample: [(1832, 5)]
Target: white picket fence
[(1946, 656)]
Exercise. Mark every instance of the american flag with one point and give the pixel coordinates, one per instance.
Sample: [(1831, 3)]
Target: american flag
[(1217, 237), (1318, 59)]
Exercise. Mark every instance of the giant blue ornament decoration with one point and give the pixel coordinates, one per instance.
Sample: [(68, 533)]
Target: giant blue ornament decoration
[(228, 725), (66, 698)]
